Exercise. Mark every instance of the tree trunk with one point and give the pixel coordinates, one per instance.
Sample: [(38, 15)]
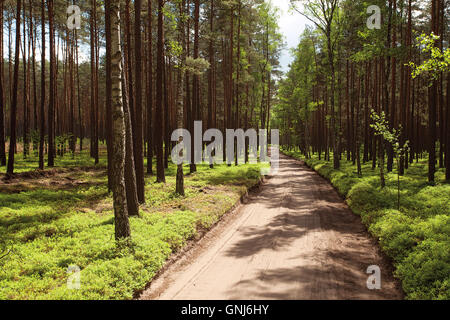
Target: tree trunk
[(159, 96), (122, 226), (195, 83), (12, 143), (130, 171), (52, 94), (80, 122), (42, 115), (2, 98), (181, 101), (432, 105), (150, 91), (138, 133), (108, 102)]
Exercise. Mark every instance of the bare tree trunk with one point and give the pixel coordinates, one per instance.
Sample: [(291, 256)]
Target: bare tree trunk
[(94, 83), (52, 93), (150, 91), (159, 96), (130, 172), (42, 115), (195, 82), (108, 102), (181, 101), (138, 133), (432, 105), (122, 226), (211, 111), (447, 141), (12, 143), (25, 86), (80, 122), (2, 97)]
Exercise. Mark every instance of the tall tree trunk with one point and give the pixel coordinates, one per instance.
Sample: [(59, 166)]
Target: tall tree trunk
[(2, 97), (150, 99), (12, 143), (42, 112), (181, 101), (447, 130), (25, 85), (159, 96), (432, 104), (80, 122), (33, 42), (130, 171), (195, 83), (52, 93), (108, 102), (94, 83), (122, 226), (211, 73), (138, 133), (73, 140)]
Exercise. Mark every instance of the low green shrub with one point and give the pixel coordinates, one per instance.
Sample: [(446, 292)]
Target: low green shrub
[(47, 230)]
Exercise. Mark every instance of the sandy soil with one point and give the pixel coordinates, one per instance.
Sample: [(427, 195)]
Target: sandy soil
[(295, 239)]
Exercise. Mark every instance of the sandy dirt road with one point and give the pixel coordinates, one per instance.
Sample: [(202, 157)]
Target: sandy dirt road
[(295, 239)]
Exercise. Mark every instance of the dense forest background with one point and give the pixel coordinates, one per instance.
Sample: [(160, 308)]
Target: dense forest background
[(344, 70)]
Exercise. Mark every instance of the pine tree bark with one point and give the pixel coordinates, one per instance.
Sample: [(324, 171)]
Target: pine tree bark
[(108, 102), (94, 83), (2, 98), (25, 86), (159, 96), (181, 101), (393, 110), (195, 82), (12, 142), (80, 122), (52, 93), (42, 115), (33, 43), (130, 171), (447, 130), (138, 133), (211, 74), (432, 104), (150, 100)]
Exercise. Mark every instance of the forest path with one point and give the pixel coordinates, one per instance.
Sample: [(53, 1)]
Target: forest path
[(295, 239)]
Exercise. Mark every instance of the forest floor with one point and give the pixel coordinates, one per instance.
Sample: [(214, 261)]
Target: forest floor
[(295, 239), (63, 217)]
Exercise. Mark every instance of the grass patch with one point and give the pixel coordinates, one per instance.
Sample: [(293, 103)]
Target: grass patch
[(47, 229), (416, 238)]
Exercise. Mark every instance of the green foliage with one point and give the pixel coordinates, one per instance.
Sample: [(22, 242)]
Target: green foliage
[(196, 66), (392, 136), (416, 237), (438, 62)]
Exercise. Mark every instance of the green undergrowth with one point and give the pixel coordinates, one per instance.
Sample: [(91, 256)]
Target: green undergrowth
[(416, 237), (45, 230)]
